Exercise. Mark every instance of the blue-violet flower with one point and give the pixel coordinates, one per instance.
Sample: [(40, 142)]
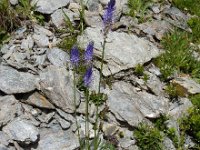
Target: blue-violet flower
[(89, 52), (108, 15), (74, 56), (88, 77)]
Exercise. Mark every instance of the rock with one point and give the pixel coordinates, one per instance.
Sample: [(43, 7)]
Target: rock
[(2, 147), (155, 9), (155, 28), (49, 6), (65, 115), (46, 118), (56, 84), (28, 43), (179, 108), (93, 19), (38, 100), (51, 140), (22, 131), (168, 144), (123, 51), (18, 57), (41, 30), (185, 86), (9, 108), (40, 59), (13, 82), (57, 57), (131, 106), (63, 123), (110, 129), (4, 139), (14, 2), (41, 40), (58, 17)]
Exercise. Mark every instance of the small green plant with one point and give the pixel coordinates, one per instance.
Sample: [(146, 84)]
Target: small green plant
[(171, 91), (195, 99), (171, 133), (178, 56), (67, 42), (148, 138), (191, 6), (139, 70), (160, 122), (138, 8), (194, 24)]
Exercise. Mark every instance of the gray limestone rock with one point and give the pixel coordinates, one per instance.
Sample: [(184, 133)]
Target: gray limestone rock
[(58, 17), (4, 139), (41, 30), (57, 57), (41, 40), (132, 106), (22, 131), (38, 100), (14, 2), (9, 108), (56, 84), (13, 82), (187, 85), (28, 43), (168, 144), (93, 19), (51, 140), (122, 50), (49, 6)]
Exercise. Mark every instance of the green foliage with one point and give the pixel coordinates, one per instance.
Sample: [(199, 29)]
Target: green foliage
[(194, 24), (107, 146), (178, 56), (171, 133), (160, 122), (98, 98), (171, 91), (67, 42), (138, 8), (196, 100), (148, 138), (189, 5), (139, 70), (191, 123)]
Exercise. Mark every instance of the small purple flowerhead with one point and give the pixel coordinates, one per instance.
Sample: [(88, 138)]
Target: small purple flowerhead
[(74, 56), (89, 52), (88, 77), (108, 15)]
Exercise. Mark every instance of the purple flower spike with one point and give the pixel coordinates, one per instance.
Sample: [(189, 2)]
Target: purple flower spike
[(89, 52), (74, 56), (108, 16), (88, 77)]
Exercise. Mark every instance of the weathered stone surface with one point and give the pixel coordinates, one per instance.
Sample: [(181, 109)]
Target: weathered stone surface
[(56, 84), (52, 140), (122, 50), (39, 100), (41, 40), (93, 19), (58, 17), (168, 144), (9, 107), (57, 57), (13, 81), (49, 6), (180, 108), (131, 106), (22, 131), (4, 139), (41, 30), (28, 43), (186, 85)]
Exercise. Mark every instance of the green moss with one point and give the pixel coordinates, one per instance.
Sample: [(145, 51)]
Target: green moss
[(148, 138), (191, 6), (178, 56)]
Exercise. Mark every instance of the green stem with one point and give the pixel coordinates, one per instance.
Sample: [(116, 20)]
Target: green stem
[(87, 133), (74, 89), (99, 91)]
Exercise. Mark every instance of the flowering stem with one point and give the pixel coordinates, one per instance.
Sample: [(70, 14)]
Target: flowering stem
[(87, 134), (99, 91), (74, 89)]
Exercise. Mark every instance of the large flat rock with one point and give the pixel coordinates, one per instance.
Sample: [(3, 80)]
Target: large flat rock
[(13, 81), (133, 107), (49, 6), (122, 50), (57, 86), (57, 140)]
